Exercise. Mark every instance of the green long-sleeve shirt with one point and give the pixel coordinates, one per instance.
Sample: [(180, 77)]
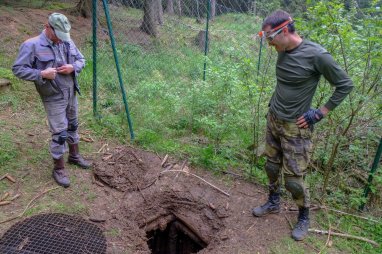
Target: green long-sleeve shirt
[(298, 72)]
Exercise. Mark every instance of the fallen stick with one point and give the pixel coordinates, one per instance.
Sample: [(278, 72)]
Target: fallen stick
[(233, 174), (187, 173), (325, 232), (4, 196), (289, 222), (136, 157), (10, 178), (28, 206), (88, 140), (102, 147), (337, 211), (164, 160), (107, 157), (169, 167), (5, 203), (14, 197), (341, 212), (183, 164)]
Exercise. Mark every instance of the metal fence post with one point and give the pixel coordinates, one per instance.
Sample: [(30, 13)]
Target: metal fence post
[(94, 21), (372, 172), (106, 8), (206, 41)]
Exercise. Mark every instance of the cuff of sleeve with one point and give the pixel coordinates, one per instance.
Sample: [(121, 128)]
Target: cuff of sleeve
[(330, 105), (76, 70), (40, 80)]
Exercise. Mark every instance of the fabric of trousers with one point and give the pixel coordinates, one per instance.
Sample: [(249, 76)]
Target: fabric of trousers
[(288, 150), (62, 114)]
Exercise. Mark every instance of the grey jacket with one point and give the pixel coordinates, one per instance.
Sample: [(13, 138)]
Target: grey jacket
[(36, 54)]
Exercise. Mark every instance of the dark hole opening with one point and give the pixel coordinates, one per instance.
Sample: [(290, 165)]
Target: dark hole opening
[(176, 238)]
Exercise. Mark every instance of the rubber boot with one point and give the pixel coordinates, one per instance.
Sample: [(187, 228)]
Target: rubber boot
[(271, 206), (301, 229), (60, 175), (75, 157)]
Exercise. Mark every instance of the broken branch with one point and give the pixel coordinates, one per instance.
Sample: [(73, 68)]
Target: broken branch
[(28, 206), (325, 232), (187, 173), (164, 160)]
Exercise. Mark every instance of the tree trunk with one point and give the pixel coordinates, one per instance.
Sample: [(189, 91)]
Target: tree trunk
[(197, 10), (213, 9), (149, 24), (160, 12), (178, 8), (170, 7), (254, 7), (83, 8)]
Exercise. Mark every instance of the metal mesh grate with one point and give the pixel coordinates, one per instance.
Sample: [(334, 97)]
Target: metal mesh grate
[(53, 233)]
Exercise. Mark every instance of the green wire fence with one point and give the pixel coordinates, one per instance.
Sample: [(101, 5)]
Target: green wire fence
[(174, 63)]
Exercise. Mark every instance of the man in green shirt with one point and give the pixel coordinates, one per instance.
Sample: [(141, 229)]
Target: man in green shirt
[(290, 120)]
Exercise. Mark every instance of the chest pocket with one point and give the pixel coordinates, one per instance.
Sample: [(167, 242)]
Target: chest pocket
[(44, 59)]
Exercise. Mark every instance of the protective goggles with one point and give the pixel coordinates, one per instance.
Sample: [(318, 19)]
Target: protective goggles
[(273, 35), (275, 31)]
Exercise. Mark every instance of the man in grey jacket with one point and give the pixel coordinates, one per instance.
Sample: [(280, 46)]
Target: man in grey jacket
[(52, 61)]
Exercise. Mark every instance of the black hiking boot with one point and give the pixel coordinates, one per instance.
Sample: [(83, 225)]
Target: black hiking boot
[(301, 229), (75, 157), (271, 206), (60, 175)]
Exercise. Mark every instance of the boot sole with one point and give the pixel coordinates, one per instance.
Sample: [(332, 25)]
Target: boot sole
[(62, 185), (299, 239), (74, 163)]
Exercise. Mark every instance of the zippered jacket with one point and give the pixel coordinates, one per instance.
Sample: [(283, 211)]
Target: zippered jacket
[(36, 54)]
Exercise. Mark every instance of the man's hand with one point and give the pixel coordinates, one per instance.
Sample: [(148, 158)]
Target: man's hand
[(65, 69), (49, 73), (311, 117)]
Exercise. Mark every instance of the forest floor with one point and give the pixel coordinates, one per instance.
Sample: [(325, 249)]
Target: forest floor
[(135, 197)]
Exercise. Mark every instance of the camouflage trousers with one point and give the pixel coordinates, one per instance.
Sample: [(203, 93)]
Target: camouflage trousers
[(288, 150)]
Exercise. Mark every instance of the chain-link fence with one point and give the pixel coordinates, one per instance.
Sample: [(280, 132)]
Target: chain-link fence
[(191, 70)]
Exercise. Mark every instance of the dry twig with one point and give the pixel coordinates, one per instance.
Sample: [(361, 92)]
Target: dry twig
[(10, 178), (337, 211), (14, 197), (4, 203), (329, 231), (164, 160), (344, 235), (102, 147), (289, 222), (4, 196), (187, 173), (28, 206), (353, 215)]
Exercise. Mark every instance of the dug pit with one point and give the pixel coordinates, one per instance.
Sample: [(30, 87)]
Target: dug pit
[(164, 207)]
